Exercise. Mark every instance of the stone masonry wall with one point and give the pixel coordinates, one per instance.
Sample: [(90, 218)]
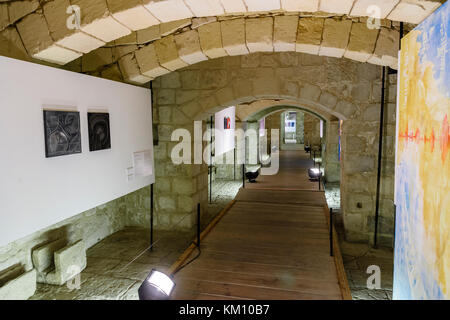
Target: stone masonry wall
[(312, 130), (343, 88)]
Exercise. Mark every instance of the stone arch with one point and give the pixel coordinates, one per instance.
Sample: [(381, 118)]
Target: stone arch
[(263, 108), (151, 37), (103, 21)]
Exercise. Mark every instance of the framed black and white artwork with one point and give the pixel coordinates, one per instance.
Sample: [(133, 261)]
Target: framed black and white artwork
[(99, 131), (62, 133)]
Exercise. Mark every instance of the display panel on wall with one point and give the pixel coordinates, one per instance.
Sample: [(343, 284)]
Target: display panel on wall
[(224, 130), (99, 132), (422, 173), (62, 133)]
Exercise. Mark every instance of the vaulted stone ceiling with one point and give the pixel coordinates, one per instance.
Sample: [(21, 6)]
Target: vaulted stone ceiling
[(138, 40)]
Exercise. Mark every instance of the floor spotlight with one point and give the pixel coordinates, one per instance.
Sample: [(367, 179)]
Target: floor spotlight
[(157, 286), (314, 173), (252, 175)]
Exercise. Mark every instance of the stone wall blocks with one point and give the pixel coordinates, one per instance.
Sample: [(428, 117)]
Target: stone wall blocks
[(310, 92), (285, 33), (233, 37), (259, 34), (167, 53), (130, 70), (148, 62), (335, 37), (309, 35), (346, 108), (188, 45), (328, 100), (210, 36)]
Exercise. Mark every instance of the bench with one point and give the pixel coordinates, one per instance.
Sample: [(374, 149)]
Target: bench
[(56, 262), (16, 283)]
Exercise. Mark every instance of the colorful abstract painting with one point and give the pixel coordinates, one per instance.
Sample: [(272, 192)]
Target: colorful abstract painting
[(422, 192)]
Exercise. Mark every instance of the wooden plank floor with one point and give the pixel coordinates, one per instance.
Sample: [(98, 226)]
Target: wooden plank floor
[(271, 244)]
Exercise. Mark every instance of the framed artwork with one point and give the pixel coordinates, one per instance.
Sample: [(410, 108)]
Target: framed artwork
[(62, 133), (422, 173), (99, 131)]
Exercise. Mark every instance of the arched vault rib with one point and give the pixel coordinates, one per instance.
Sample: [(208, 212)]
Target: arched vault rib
[(48, 34)]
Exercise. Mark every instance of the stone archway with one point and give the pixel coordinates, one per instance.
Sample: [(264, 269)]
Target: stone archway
[(212, 28), (336, 87)]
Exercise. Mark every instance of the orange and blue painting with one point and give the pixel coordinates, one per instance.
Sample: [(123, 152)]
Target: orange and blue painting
[(422, 175)]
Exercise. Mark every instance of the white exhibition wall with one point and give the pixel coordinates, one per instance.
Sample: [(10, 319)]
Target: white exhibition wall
[(35, 191), (224, 137)]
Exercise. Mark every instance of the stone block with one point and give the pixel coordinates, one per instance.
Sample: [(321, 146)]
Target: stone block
[(97, 21), (34, 33), (55, 15), (96, 59), (185, 186), (205, 8), (130, 70), (359, 164), (234, 6), (168, 10), (386, 49), (123, 50), (167, 53), (265, 88), (310, 92), (233, 37), (166, 203), (80, 42), (285, 33), (106, 29), (112, 73), (361, 92), (259, 34), (20, 287), (336, 6), (372, 112), (58, 55), (188, 45), (172, 80), (69, 261), (211, 40), (362, 42), (345, 108), (11, 45), (327, 99), (309, 35), (362, 7), (43, 256), (132, 14), (170, 27), (4, 17), (335, 37), (149, 34), (19, 9), (259, 6), (413, 11), (300, 5), (148, 62), (225, 96)]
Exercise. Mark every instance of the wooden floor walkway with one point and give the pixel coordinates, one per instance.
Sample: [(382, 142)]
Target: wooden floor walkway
[(272, 243)]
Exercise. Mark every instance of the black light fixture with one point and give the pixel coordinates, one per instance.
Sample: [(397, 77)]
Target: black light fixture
[(157, 286)]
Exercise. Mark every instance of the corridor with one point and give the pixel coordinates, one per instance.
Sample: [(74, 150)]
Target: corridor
[(272, 243)]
